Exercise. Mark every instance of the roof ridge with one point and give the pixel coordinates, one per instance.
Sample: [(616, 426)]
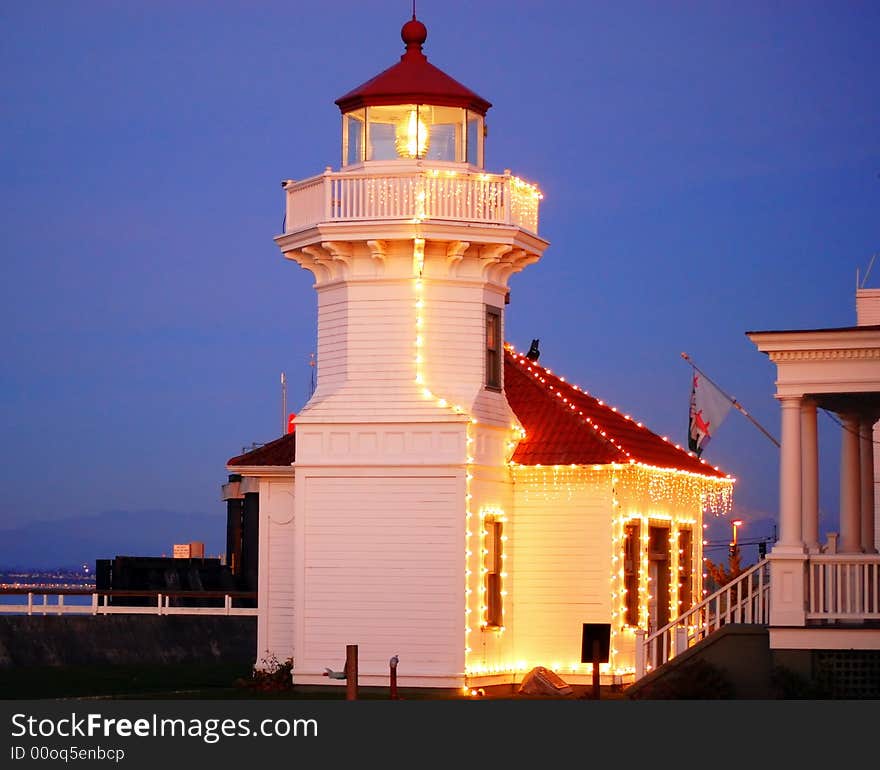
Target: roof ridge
[(602, 431), (572, 410)]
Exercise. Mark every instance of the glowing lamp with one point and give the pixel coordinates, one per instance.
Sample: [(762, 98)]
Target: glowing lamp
[(411, 136)]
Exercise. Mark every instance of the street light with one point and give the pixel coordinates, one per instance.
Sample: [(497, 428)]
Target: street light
[(733, 550), (735, 523)]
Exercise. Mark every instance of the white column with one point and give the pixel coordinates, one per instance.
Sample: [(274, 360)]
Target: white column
[(810, 475), (790, 515), (866, 471), (876, 491), (788, 558), (850, 506)]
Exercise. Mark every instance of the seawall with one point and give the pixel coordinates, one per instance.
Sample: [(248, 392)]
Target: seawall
[(125, 639)]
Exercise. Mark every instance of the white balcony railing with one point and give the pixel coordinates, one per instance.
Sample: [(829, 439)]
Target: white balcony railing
[(843, 587), (414, 195)]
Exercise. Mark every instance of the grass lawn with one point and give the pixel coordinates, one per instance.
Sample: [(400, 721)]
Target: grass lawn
[(159, 680)]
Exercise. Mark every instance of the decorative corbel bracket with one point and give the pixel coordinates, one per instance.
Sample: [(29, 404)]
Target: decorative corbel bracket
[(379, 252), (512, 262), (328, 262), (490, 255), (454, 254)]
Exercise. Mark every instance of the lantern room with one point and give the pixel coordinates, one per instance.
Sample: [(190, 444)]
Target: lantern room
[(413, 111)]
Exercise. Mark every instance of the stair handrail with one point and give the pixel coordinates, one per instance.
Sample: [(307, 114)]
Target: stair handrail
[(745, 599)]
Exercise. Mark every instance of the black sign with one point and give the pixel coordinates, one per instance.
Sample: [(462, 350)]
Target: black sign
[(599, 632)]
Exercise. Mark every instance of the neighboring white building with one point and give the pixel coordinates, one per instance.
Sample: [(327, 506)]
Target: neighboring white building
[(826, 596), (445, 498)]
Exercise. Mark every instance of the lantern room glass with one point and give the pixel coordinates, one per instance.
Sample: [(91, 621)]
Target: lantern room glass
[(410, 132)]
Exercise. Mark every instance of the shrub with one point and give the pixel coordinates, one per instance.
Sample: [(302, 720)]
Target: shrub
[(270, 675)]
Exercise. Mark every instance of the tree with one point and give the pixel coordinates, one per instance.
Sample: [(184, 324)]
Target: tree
[(720, 575)]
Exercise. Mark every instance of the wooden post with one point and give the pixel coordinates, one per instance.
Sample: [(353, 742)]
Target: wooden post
[(351, 671), (393, 663), (596, 656)]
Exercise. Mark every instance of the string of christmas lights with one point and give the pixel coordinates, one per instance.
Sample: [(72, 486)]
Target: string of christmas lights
[(639, 492), (433, 193), (420, 358)]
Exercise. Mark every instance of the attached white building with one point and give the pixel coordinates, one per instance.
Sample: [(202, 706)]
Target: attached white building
[(443, 497)]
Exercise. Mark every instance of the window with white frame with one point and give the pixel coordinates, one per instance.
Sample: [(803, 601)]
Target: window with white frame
[(493, 569), (494, 348)]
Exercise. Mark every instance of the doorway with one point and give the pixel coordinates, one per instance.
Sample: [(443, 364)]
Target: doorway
[(659, 564)]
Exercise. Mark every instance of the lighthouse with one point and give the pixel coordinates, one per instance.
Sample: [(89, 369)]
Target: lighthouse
[(401, 451), (444, 501)]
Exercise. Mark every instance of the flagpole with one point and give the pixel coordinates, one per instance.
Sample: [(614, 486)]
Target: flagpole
[(732, 400)]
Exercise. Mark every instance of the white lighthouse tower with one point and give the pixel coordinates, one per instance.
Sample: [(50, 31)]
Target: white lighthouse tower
[(401, 477)]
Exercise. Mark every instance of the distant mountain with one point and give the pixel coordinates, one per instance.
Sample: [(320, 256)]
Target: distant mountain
[(83, 539)]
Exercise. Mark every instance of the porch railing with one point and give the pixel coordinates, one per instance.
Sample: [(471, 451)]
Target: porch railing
[(39, 601), (432, 193), (843, 587)]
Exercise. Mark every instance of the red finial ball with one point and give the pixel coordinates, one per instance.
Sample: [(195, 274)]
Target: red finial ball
[(414, 33)]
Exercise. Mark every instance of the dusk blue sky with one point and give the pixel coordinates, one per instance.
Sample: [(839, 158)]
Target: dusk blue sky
[(708, 169)]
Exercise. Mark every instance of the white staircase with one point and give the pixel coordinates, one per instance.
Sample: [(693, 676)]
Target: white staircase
[(746, 599)]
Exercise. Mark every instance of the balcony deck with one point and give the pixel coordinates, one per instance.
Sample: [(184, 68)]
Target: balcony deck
[(413, 192)]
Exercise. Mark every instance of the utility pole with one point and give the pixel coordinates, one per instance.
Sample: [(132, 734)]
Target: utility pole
[(283, 403)]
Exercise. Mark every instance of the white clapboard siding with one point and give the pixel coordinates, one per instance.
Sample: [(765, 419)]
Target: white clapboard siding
[(453, 320), (867, 307), (369, 349), (384, 568), (276, 618), (561, 568), (491, 488), (332, 324), (366, 348), (281, 589), (491, 407), (455, 353)]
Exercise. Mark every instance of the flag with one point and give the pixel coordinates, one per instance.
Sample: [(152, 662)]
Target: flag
[(709, 406)]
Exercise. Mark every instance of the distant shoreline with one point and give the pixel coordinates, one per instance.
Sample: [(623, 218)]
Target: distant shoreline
[(44, 580)]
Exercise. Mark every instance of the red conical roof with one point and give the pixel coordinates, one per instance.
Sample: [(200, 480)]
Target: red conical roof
[(413, 80)]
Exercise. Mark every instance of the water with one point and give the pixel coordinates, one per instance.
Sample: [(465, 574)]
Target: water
[(46, 582)]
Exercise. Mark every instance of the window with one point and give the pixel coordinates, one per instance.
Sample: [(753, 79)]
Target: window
[(631, 564), (493, 348), (474, 139), (659, 574), (493, 568), (685, 570)]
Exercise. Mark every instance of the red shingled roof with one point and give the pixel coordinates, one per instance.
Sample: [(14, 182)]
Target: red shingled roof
[(565, 425), (281, 451), (413, 80)]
